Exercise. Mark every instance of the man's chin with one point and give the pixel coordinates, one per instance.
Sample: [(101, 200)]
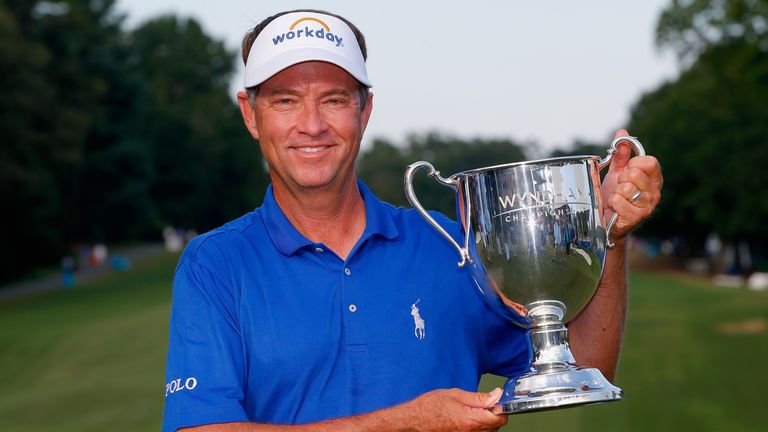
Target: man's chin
[(316, 183)]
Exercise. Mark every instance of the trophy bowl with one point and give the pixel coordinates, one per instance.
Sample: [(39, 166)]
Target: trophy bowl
[(534, 244)]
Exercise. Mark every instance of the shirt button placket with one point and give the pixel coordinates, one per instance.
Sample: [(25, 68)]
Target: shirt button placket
[(353, 319), (352, 307)]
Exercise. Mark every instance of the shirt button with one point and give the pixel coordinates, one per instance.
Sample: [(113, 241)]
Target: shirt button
[(319, 249), (352, 308), (347, 271)]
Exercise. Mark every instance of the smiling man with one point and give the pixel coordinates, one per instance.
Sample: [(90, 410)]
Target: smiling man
[(309, 120), (326, 309)]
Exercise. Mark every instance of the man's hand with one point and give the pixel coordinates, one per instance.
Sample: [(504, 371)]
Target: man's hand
[(453, 410), (436, 411), (625, 178)]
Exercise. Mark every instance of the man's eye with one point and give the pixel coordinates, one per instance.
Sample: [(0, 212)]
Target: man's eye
[(337, 101), (284, 101)]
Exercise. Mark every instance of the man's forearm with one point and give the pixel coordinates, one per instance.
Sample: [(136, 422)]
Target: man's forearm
[(390, 419), (596, 333), (434, 411)]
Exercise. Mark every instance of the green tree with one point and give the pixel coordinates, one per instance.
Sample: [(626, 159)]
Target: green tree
[(57, 65), (109, 135), (383, 166), (691, 27), (709, 130), (709, 127), (580, 147), (207, 169)]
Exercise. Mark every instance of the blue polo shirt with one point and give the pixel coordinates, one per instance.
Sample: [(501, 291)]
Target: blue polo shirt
[(270, 327)]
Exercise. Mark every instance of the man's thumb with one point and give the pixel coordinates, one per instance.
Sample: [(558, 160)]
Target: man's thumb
[(483, 400), (493, 397), (623, 153)]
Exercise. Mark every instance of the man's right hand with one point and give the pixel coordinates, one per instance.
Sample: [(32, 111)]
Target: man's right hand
[(453, 410), (450, 410)]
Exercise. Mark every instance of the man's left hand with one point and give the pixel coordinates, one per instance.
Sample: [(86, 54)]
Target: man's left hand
[(626, 177)]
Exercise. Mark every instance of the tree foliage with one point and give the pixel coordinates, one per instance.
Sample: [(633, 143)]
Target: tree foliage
[(709, 126), (709, 129), (383, 166), (202, 153), (109, 134), (691, 27), (581, 147), (59, 57)]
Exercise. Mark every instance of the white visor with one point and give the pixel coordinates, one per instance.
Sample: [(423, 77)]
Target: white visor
[(304, 36)]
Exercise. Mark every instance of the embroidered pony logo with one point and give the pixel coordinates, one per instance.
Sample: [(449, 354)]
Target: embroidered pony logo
[(418, 322)]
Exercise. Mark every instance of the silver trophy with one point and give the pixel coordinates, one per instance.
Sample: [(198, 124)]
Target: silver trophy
[(534, 243)]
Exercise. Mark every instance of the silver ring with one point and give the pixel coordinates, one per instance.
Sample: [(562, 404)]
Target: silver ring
[(635, 197)]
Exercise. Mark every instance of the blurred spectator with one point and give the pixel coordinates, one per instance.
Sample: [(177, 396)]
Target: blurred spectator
[(68, 271), (120, 263), (83, 256), (758, 281), (667, 248), (713, 246), (745, 256), (173, 241), (99, 254), (189, 235)]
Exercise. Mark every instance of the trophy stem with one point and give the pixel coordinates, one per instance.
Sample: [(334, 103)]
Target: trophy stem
[(555, 380)]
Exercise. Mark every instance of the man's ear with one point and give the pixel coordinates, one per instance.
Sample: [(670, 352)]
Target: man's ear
[(366, 112), (246, 110)]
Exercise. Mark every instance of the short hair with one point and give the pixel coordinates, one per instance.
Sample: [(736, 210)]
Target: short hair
[(252, 34)]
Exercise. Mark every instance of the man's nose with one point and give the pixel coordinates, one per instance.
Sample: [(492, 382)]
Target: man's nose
[(312, 121)]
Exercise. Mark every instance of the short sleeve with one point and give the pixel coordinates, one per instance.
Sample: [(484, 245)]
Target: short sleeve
[(205, 369)]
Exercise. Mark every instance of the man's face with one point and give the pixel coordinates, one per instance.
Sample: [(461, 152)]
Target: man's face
[(309, 124)]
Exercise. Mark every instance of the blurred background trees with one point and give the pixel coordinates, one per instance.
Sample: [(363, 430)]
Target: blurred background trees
[(383, 165), (709, 127), (109, 134)]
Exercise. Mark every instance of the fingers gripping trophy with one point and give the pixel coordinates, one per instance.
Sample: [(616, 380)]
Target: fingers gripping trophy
[(534, 244)]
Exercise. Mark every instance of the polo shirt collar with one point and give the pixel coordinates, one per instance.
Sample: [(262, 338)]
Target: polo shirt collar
[(287, 239), (378, 218)]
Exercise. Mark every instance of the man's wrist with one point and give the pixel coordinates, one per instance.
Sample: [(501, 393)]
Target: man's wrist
[(619, 244)]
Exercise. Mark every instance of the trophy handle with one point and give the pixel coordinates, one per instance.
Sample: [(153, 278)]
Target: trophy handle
[(639, 151), (411, 195)]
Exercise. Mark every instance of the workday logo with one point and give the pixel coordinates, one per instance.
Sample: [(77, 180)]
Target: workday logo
[(322, 32)]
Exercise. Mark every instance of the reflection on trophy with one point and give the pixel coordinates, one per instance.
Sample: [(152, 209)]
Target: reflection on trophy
[(534, 243)]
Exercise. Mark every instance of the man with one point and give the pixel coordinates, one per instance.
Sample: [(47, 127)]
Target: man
[(326, 309)]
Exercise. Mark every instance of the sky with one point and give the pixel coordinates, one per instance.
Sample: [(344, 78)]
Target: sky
[(546, 71)]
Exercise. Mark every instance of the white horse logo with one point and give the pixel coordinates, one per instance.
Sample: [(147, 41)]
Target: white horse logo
[(418, 322)]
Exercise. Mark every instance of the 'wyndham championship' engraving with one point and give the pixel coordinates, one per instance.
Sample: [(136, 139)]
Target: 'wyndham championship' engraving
[(529, 201)]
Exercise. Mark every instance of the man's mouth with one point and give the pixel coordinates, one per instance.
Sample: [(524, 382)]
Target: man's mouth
[(310, 149)]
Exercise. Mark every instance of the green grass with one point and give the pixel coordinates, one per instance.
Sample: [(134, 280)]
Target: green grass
[(92, 359), (694, 359)]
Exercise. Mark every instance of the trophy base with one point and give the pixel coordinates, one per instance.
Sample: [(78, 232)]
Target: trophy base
[(562, 388)]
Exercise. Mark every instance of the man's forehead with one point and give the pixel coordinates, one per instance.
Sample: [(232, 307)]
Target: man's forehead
[(311, 73)]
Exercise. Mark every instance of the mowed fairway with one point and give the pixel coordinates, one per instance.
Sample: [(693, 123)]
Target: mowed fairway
[(694, 359), (92, 358)]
